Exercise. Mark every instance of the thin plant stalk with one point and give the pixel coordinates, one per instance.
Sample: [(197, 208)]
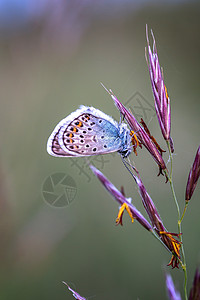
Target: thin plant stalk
[(184, 211), (179, 221)]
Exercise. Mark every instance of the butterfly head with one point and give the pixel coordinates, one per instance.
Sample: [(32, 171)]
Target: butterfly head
[(125, 137)]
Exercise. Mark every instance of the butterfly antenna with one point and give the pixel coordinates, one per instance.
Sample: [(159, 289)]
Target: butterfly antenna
[(122, 117)]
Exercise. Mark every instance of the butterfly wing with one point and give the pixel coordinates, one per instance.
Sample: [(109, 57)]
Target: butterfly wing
[(85, 132), (53, 146)]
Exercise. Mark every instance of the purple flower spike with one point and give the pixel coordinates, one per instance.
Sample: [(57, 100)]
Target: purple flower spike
[(142, 136), (193, 176), (171, 291), (75, 294), (162, 101), (149, 205), (121, 198), (172, 244), (195, 290)]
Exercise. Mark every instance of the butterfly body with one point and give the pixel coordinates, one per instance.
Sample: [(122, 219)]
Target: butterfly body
[(86, 132)]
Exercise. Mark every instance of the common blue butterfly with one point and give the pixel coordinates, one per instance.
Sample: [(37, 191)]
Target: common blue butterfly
[(88, 131)]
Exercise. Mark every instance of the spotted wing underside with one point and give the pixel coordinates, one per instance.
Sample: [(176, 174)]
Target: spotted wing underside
[(85, 135)]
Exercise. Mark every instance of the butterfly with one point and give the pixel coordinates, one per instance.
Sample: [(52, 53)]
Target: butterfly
[(88, 131)]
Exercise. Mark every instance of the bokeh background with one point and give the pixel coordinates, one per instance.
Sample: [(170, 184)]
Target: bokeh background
[(53, 56)]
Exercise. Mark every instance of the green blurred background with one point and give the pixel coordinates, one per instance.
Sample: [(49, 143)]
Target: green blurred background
[(51, 61)]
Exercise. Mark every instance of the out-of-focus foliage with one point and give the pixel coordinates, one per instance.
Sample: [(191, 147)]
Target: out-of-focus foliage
[(53, 56)]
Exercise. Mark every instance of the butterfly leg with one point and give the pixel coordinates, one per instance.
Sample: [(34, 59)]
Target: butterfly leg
[(134, 141)]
